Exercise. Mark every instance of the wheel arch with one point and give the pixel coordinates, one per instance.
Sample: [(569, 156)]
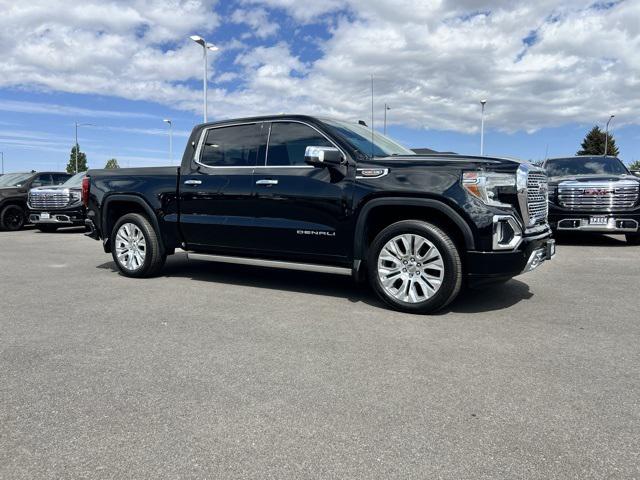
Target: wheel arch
[(117, 205), (377, 212)]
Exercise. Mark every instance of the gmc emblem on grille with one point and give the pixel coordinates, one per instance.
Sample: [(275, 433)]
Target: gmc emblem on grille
[(597, 191)]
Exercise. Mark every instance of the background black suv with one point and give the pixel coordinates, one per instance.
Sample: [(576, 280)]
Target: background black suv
[(14, 189)]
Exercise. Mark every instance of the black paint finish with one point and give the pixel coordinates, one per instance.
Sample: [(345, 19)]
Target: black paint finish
[(319, 214)]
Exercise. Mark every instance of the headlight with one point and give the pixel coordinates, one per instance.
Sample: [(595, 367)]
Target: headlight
[(488, 186), (75, 197)]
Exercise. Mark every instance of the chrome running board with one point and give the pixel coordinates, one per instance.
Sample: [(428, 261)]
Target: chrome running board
[(259, 262)]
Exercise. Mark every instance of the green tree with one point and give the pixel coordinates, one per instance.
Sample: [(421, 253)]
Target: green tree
[(82, 161), (593, 143), (113, 163), (635, 165)]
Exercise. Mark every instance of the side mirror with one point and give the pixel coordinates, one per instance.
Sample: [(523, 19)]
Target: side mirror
[(323, 156)]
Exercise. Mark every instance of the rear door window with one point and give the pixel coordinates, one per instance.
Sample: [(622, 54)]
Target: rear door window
[(233, 146)]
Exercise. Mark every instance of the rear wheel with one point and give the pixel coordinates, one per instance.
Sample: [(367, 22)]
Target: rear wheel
[(633, 238), (47, 228), (415, 267), (12, 218), (135, 247)]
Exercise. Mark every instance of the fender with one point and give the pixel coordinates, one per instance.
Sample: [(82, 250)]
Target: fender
[(133, 199), (358, 247)]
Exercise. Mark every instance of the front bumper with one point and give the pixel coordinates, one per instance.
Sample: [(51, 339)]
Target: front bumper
[(485, 267), (583, 222), (60, 217)]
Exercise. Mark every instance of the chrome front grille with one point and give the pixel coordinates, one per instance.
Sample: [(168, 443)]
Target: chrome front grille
[(48, 200), (600, 196), (537, 197)]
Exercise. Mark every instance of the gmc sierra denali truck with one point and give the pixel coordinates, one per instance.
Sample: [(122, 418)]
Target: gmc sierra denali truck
[(307, 193), (593, 194), (58, 206)]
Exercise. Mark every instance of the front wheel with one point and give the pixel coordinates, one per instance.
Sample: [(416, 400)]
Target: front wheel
[(12, 218), (415, 267), (135, 247), (633, 238)]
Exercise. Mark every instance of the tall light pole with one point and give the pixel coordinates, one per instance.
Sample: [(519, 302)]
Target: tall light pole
[(483, 103), (205, 46), (606, 135), (80, 125), (167, 121), (2, 154), (386, 107)]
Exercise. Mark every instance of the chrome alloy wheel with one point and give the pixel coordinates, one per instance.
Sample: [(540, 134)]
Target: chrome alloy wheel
[(410, 268), (131, 247)]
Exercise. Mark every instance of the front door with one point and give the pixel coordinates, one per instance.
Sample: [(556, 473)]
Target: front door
[(216, 202), (301, 210)]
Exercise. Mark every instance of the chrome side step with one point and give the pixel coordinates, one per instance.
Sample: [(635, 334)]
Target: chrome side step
[(259, 262)]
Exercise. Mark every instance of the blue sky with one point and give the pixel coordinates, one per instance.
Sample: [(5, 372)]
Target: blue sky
[(550, 71)]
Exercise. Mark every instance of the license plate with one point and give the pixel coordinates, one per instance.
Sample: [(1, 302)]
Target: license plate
[(598, 221), (45, 216)]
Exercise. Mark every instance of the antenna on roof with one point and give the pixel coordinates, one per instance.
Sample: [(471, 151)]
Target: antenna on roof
[(362, 122), (372, 138)]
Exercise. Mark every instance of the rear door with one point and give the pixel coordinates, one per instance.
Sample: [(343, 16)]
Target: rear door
[(216, 203), (301, 210)]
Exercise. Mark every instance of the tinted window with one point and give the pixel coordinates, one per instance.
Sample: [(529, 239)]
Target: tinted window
[(236, 146), (289, 140), (559, 167), (60, 178), (43, 180)]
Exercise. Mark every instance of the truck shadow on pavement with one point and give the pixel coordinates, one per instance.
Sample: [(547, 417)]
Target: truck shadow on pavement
[(590, 239), (496, 297)]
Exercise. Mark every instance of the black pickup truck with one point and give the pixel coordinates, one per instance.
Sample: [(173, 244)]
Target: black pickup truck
[(593, 194), (300, 192), (57, 206)]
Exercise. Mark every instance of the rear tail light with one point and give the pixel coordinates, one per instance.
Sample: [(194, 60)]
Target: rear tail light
[(85, 191)]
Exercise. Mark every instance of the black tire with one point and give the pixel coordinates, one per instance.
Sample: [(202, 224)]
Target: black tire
[(12, 218), (153, 259), (633, 238), (47, 228), (451, 278)]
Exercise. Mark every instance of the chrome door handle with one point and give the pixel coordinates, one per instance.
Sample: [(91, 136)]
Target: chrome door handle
[(193, 182), (267, 182)]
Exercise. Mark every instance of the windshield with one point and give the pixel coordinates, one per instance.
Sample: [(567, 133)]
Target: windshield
[(75, 181), (360, 137), (14, 179), (560, 167)]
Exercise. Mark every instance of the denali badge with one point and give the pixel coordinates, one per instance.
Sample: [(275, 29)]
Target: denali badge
[(316, 232)]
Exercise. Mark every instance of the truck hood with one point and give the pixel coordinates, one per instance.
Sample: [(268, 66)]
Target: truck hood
[(54, 189), (449, 159), (593, 179)]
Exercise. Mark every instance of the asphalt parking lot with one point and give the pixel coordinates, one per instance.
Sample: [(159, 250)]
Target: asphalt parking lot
[(220, 371)]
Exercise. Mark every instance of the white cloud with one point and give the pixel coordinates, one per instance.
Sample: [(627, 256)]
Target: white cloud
[(257, 19), (433, 61), (52, 109)]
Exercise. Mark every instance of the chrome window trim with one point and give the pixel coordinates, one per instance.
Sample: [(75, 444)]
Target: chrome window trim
[(205, 131)]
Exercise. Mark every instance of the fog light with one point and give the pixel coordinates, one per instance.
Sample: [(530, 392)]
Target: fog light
[(507, 232)]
